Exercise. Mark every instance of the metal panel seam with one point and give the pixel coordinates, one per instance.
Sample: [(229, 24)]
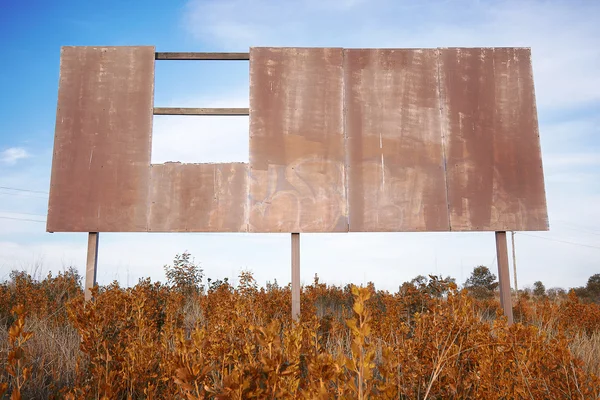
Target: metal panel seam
[(149, 182), (249, 166), (443, 133), (345, 132)]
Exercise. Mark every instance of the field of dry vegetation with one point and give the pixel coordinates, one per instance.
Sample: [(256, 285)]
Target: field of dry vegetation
[(187, 340)]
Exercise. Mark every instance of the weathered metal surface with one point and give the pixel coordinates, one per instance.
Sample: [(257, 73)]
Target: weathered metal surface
[(297, 168), (494, 168), (396, 178), (359, 140), (101, 161), (198, 198)]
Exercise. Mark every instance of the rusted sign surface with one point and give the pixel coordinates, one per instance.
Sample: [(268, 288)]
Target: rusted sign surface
[(297, 168), (494, 168), (396, 179), (100, 167), (360, 140), (198, 198)]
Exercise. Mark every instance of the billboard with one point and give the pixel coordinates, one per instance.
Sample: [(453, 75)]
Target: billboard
[(341, 140)]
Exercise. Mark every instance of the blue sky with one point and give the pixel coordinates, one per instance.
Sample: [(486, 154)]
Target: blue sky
[(563, 36)]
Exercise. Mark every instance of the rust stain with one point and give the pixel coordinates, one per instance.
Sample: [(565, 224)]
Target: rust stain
[(297, 168), (198, 197), (340, 140), (395, 164), (494, 168), (101, 160)]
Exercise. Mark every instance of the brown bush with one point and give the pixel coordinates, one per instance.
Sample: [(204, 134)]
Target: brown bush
[(428, 340)]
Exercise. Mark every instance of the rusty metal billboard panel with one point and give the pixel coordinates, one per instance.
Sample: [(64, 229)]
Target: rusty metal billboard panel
[(493, 157), (101, 160), (297, 153), (362, 140), (396, 178), (198, 197)]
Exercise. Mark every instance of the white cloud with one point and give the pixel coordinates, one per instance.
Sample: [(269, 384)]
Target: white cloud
[(11, 155), (573, 159), (562, 34), (569, 135)]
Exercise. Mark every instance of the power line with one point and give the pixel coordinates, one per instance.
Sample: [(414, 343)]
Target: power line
[(22, 213), (28, 195), (561, 241), (581, 231), (22, 190), (575, 227), (578, 225), (22, 219)]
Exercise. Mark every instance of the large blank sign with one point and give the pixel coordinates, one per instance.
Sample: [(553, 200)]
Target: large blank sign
[(341, 140)]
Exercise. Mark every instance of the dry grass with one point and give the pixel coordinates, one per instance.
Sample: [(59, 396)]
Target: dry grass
[(54, 351), (587, 348)]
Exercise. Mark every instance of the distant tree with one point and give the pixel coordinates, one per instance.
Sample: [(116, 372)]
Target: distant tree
[(19, 277), (593, 288), (246, 283), (556, 292), (272, 286), (184, 275), (438, 286), (214, 285), (433, 285), (72, 273), (582, 293), (539, 289), (482, 277), (591, 291), (418, 281), (482, 283)]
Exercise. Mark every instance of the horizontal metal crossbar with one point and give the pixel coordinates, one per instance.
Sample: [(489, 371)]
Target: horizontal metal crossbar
[(201, 56), (200, 111)]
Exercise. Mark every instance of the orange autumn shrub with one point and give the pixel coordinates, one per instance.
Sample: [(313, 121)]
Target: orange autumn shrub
[(428, 340), (44, 299)]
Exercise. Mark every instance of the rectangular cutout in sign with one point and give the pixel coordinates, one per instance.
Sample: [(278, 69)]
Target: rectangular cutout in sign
[(199, 139)]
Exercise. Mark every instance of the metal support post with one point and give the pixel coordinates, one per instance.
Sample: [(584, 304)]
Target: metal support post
[(295, 276), (514, 262), (92, 264), (503, 275)]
